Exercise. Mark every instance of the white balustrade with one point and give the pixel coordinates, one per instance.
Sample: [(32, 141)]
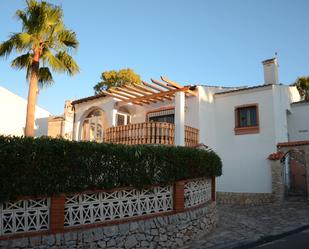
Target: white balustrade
[(197, 192), (104, 206), (24, 216)]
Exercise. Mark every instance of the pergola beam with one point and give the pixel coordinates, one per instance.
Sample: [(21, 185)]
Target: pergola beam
[(133, 93), (148, 93), (162, 85), (155, 95), (144, 90), (172, 83), (118, 97), (156, 88), (140, 92), (127, 95), (113, 95)]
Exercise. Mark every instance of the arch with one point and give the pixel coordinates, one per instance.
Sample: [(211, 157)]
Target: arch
[(295, 172), (92, 124)]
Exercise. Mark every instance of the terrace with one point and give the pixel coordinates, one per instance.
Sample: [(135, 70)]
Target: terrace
[(150, 113)]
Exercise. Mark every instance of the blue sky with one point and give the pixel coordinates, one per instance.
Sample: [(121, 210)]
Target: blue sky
[(219, 42)]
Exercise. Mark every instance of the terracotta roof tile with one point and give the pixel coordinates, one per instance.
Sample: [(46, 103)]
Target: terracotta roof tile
[(293, 143), (88, 98)]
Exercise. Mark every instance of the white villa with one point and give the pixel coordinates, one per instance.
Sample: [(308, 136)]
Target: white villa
[(243, 125)]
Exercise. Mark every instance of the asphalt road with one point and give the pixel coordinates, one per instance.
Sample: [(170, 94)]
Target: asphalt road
[(295, 241)]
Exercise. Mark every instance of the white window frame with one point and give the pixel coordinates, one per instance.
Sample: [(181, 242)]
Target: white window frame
[(126, 115)]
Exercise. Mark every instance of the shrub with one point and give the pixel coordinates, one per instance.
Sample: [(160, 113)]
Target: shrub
[(46, 166)]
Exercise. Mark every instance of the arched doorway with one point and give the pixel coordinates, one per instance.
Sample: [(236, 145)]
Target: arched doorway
[(93, 126), (295, 173)]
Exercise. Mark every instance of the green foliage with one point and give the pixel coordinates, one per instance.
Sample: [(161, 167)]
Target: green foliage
[(302, 84), (46, 166), (44, 33), (116, 79)]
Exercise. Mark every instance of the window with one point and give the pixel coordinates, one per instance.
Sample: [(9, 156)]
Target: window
[(163, 118), (246, 119), (167, 116), (93, 126), (123, 119)]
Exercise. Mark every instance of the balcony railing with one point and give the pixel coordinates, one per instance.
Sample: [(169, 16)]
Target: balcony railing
[(149, 133)]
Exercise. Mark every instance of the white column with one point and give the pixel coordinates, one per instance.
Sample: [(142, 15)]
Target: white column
[(111, 117), (180, 118)]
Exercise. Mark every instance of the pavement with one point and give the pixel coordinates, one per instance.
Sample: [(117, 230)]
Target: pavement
[(242, 226)]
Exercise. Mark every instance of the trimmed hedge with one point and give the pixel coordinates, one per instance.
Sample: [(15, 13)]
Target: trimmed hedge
[(46, 166)]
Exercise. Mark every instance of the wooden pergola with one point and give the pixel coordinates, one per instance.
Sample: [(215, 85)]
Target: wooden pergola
[(147, 93)]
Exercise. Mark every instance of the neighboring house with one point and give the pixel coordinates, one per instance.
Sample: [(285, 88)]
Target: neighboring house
[(298, 121), (62, 126), (13, 109), (243, 125)]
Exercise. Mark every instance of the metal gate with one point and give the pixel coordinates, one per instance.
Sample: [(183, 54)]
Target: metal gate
[(295, 173)]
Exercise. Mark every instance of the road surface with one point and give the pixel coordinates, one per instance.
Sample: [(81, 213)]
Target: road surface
[(295, 241)]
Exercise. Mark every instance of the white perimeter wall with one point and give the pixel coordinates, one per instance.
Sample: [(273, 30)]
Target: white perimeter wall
[(13, 109), (298, 122)]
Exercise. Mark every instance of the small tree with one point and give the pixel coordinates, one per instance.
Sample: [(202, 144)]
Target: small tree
[(44, 39), (116, 79), (302, 84)]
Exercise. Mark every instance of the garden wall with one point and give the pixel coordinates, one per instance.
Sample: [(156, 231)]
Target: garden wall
[(160, 216)]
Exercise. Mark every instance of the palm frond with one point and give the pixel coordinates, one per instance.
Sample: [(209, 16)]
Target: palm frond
[(55, 63), (31, 4), (54, 14), (70, 65), (22, 16), (24, 40), (6, 47), (45, 77), (18, 41), (22, 62), (68, 38)]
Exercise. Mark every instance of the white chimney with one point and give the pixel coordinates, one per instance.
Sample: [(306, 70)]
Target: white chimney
[(271, 71)]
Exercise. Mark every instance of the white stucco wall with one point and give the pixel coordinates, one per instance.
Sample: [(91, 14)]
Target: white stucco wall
[(245, 164), (298, 122), (13, 109), (281, 104)]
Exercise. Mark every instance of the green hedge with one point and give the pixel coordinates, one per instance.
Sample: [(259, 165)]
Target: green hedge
[(46, 166)]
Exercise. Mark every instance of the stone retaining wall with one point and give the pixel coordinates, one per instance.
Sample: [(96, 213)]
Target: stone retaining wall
[(168, 231), (244, 198)]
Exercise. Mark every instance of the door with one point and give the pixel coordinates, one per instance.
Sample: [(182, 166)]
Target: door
[(297, 174)]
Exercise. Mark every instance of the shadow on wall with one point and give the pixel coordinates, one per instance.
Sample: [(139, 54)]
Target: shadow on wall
[(41, 127)]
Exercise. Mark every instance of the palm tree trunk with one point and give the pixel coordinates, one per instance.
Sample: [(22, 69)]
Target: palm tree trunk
[(32, 94)]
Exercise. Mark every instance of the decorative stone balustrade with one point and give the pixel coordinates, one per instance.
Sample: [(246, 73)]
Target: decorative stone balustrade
[(149, 133), (24, 216), (92, 208)]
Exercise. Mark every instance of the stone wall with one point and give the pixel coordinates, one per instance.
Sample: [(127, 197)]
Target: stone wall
[(277, 181), (169, 231), (243, 198)]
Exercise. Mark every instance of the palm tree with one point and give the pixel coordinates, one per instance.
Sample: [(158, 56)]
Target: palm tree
[(44, 41), (302, 84)]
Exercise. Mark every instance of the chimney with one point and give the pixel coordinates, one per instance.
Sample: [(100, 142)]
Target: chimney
[(271, 71)]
